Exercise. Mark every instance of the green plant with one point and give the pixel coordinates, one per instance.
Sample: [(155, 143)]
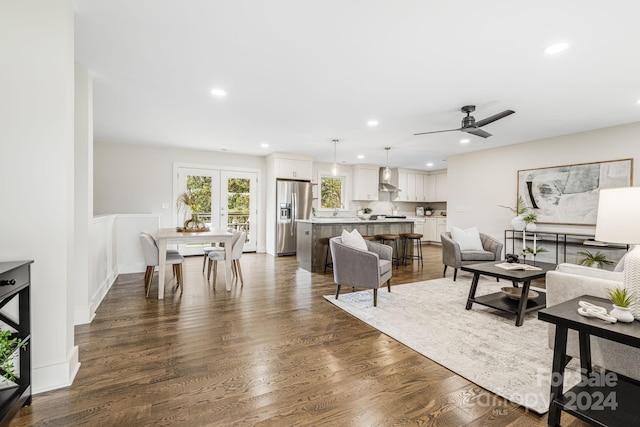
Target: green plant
[(538, 250), (530, 217), (599, 259), (367, 210), (8, 345), (620, 297), (520, 207)]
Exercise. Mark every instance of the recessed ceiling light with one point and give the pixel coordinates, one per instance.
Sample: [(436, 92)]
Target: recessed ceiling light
[(430, 164), (218, 92), (264, 145), (638, 102), (465, 141), (361, 156), (556, 48), (372, 123)]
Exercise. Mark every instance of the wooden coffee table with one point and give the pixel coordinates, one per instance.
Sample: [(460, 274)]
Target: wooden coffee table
[(499, 300)]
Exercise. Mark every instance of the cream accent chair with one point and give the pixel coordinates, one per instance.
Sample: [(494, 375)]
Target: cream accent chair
[(359, 268), (452, 256), (571, 281)]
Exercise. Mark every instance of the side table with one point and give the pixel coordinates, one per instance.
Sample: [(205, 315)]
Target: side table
[(601, 399)]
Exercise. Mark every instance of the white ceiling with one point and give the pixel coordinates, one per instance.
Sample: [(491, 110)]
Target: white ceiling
[(301, 73)]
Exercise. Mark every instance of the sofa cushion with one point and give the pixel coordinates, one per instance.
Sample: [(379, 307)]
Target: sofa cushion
[(468, 239), (477, 256), (596, 273), (354, 239)]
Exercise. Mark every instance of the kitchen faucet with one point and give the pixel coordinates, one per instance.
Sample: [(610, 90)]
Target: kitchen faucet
[(335, 209)]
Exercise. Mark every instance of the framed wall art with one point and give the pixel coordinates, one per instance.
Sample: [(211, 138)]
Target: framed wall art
[(569, 194)]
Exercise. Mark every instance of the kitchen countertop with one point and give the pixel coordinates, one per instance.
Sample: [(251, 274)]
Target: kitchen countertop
[(351, 220)]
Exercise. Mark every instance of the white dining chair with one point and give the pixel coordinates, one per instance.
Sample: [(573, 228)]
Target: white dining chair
[(219, 254), (151, 258)]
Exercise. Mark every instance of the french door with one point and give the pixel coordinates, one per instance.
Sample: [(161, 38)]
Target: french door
[(226, 199)]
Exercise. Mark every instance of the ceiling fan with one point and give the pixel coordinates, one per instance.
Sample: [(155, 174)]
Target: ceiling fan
[(470, 125)]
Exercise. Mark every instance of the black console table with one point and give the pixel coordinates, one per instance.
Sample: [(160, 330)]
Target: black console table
[(15, 278), (560, 242), (601, 402)]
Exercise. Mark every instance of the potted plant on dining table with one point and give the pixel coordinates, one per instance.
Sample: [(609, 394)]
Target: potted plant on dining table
[(187, 200)]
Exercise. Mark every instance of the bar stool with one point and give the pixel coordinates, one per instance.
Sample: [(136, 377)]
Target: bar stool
[(416, 239), (392, 240), (370, 238), (327, 254)]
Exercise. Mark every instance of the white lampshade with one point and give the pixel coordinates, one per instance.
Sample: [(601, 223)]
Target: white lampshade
[(619, 222), (619, 215)]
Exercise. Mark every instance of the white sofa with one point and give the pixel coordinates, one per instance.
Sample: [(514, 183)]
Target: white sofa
[(571, 281)]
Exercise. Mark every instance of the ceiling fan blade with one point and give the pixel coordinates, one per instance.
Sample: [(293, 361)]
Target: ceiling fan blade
[(493, 118), (477, 132), (436, 131)]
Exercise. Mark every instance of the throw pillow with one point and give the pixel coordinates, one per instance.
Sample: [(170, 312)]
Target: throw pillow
[(468, 240), (354, 239)]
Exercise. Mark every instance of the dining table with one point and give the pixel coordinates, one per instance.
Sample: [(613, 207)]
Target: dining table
[(168, 236)]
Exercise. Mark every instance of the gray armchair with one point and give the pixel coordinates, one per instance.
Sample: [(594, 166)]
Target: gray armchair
[(452, 256), (359, 268)]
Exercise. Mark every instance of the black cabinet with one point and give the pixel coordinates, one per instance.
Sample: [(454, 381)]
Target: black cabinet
[(15, 278), (605, 399)]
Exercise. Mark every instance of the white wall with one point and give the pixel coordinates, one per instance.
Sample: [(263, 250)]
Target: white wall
[(481, 181), (83, 190), (137, 179), (37, 172)]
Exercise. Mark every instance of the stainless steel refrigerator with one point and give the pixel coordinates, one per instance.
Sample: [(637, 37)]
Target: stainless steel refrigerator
[(293, 204)]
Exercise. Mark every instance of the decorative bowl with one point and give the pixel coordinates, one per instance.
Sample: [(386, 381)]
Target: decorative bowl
[(516, 293)]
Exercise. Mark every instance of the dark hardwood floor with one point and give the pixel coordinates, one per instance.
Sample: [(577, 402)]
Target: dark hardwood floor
[(272, 352)]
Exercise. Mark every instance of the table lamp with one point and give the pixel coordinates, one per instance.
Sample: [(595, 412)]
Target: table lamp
[(619, 222)]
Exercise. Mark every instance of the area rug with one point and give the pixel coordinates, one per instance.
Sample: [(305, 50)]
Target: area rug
[(482, 344)]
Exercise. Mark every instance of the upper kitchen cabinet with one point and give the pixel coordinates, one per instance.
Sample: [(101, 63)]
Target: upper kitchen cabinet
[(435, 187), (411, 184), (365, 182), (290, 167), (441, 187)]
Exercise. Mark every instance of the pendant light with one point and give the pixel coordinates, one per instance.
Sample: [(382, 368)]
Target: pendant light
[(386, 173), (335, 169)]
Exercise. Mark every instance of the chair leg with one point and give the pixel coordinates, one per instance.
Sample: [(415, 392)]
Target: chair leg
[(337, 291), (204, 261), (209, 270), (455, 273), (239, 271), (180, 277), (375, 297), (389, 285), (445, 270), (148, 278)]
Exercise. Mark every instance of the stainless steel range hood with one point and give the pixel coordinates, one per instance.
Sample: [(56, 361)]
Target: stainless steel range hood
[(387, 186)]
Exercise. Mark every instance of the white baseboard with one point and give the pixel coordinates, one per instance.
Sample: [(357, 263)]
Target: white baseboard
[(55, 376)]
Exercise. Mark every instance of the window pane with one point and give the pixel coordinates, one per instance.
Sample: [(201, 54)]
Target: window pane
[(331, 193)]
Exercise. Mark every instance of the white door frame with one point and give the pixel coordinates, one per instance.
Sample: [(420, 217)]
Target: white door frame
[(206, 169)]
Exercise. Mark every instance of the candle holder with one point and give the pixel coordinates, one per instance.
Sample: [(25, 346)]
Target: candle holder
[(534, 258), (524, 257)]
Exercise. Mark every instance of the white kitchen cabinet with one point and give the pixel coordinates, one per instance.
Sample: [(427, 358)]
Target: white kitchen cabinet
[(441, 226), (429, 187), (365, 182), (419, 179), (418, 227), (441, 187), (403, 194), (430, 229), (294, 169)]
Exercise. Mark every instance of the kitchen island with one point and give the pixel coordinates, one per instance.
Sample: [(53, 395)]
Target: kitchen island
[(310, 253)]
